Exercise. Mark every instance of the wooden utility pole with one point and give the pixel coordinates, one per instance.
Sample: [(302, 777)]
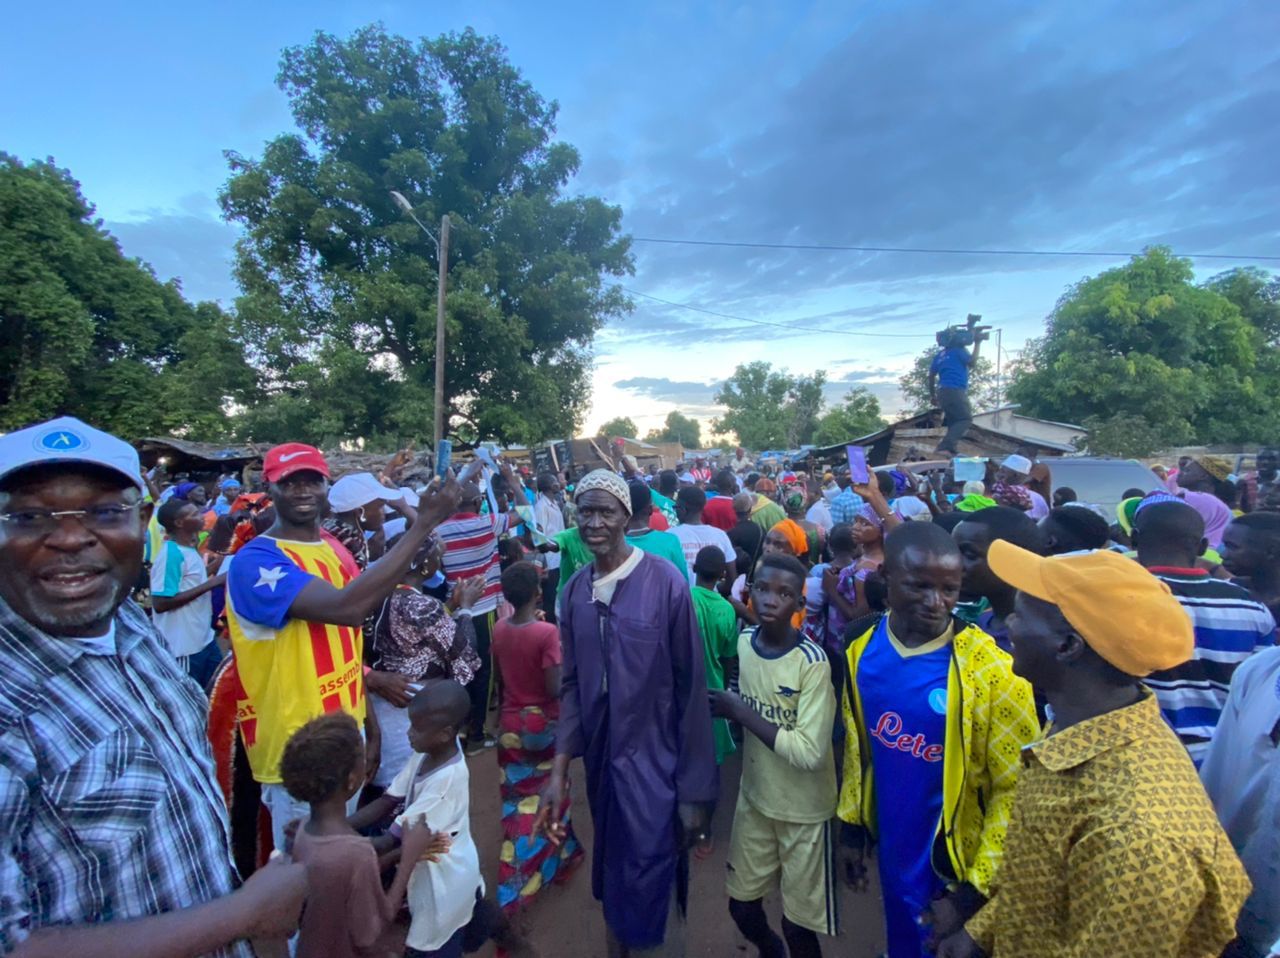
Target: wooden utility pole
[(440, 353)]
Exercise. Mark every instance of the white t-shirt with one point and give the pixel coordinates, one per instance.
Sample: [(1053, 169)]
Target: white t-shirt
[(99, 644), (820, 515), (550, 520), (693, 539), (442, 895), (176, 569)]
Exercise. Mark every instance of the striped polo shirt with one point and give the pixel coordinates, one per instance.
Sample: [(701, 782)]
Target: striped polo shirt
[(471, 543), (1229, 627)]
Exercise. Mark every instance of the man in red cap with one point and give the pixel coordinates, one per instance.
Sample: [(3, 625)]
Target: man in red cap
[(1113, 847), (294, 610)]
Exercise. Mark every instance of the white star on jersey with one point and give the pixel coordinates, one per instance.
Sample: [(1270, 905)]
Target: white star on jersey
[(269, 577)]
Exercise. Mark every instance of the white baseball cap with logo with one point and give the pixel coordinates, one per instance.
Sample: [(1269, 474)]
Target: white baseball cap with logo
[(69, 440)]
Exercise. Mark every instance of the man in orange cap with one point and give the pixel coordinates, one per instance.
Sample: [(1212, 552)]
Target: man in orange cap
[(1113, 847)]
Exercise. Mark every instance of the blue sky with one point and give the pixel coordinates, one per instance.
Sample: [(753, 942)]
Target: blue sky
[(979, 125)]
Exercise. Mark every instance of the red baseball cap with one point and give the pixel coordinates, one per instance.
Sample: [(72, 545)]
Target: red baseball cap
[(285, 460)]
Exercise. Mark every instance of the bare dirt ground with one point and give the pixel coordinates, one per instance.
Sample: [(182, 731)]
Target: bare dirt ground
[(566, 922)]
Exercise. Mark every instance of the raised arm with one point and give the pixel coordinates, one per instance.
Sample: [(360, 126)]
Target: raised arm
[(871, 493), (321, 602)]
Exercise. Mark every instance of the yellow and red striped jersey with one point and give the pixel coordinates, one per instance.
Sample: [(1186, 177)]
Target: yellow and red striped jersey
[(291, 670)]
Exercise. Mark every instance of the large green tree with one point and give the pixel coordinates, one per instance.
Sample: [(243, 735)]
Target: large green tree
[(769, 409), (88, 332), (857, 415), (753, 398), (678, 428), (340, 286), (1256, 293), (623, 426), (1142, 349), (803, 408)]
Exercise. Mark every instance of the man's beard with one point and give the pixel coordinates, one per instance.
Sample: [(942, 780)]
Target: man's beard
[(57, 619)]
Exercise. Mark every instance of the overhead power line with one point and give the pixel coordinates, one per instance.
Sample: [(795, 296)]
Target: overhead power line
[(824, 247), (765, 322)]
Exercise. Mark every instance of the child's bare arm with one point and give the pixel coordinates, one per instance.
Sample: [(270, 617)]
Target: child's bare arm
[(388, 857), (419, 843)]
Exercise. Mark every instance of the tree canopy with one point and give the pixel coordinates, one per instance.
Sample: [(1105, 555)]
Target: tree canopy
[(773, 409), (618, 426), (1140, 350), (1256, 293), (678, 428), (85, 331), (857, 415), (983, 394), (339, 286)]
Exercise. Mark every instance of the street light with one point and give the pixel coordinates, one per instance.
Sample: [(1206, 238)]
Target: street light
[(442, 256), (407, 208)]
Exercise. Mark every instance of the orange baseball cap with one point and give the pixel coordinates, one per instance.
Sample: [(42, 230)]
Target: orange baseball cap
[(1127, 615)]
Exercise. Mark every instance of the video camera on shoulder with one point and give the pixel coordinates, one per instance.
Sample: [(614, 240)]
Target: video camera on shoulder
[(964, 336)]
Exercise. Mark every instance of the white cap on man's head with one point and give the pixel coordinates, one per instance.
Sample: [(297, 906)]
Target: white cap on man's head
[(358, 489), (1018, 464), (68, 440)]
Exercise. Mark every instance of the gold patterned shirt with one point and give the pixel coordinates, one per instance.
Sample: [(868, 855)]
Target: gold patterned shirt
[(1113, 850)]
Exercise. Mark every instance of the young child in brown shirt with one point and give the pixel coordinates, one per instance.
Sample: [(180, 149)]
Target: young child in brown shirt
[(347, 910)]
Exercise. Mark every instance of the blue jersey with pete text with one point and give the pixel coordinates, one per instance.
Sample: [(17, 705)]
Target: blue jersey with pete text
[(904, 703)]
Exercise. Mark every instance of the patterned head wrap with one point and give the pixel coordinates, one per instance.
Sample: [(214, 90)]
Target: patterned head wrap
[(766, 487), (869, 514), (1125, 513), (1008, 494), (610, 482), (1215, 466), (1155, 499), (794, 501)]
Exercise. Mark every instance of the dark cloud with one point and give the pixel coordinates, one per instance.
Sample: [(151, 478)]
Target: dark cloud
[(692, 395), (994, 125), (194, 247)]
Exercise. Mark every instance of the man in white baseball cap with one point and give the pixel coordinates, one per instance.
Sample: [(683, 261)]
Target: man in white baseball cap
[(358, 501), (68, 440), (112, 827)]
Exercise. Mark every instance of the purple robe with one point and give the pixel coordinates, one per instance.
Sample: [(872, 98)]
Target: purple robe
[(633, 705)]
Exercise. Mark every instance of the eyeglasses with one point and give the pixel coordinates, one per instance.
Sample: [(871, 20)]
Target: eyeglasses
[(42, 522)]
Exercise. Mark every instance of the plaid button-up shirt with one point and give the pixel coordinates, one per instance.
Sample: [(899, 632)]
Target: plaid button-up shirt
[(844, 507), (108, 805)]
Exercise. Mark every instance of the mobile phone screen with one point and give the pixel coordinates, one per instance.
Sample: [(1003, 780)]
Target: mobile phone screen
[(857, 465), (444, 455)]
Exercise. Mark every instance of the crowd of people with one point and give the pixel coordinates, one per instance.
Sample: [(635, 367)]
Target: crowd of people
[(1053, 730)]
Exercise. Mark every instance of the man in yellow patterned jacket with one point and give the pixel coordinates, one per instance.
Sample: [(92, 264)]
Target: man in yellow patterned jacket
[(935, 721)]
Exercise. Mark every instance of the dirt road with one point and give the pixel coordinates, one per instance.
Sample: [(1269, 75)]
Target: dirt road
[(565, 922)]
